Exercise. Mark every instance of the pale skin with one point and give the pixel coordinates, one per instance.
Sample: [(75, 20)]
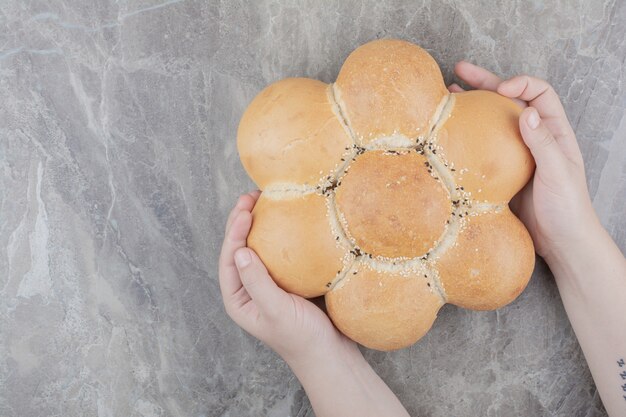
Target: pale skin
[(589, 269)]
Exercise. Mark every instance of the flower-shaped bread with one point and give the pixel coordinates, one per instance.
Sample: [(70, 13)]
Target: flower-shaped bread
[(387, 194)]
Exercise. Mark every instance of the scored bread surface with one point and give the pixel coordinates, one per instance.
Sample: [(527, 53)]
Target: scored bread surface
[(387, 194)]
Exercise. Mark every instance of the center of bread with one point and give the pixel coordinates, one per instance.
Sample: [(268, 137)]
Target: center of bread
[(392, 204)]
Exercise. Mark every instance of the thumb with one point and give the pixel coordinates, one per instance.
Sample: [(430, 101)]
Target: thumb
[(257, 281), (545, 150)]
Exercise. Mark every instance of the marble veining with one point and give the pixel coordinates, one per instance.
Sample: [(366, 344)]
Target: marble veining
[(118, 167)]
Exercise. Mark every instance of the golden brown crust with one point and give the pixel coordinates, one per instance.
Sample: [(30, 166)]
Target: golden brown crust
[(388, 87), (391, 204), (482, 141), (289, 134), (294, 240), (294, 138), (490, 264), (383, 310)]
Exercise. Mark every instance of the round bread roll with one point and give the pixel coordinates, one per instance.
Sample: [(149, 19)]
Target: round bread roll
[(387, 194)]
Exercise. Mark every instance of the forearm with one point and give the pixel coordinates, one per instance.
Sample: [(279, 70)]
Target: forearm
[(592, 283), (342, 383)]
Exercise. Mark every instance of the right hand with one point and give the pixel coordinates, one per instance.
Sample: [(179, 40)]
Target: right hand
[(555, 206), (294, 327)]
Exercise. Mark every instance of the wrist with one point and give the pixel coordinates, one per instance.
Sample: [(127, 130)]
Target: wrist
[(583, 266), (339, 381), (344, 353), (576, 250)]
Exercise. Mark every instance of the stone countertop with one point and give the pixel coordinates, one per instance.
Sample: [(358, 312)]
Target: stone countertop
[(118, 167)]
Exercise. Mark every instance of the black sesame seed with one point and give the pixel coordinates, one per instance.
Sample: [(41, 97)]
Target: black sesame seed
[(356, 252)]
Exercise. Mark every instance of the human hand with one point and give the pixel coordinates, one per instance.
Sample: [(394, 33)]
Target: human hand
[(555, 206), (588, 267), (331, 368), (291, 325)]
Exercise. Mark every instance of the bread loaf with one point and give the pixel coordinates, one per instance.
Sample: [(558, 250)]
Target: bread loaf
[(387, 194)]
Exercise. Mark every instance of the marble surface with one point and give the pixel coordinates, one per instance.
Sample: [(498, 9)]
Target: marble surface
[(118, 167)]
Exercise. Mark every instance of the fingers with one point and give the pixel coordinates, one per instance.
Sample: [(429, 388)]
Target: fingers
[(526, 91), (476, 76), (539, 94), (260, 286), (240, 266), (244, 202), (235, 239), (479, 78), (542, 97), (255, 194), (455, 88), (522, 205), (547, 153)]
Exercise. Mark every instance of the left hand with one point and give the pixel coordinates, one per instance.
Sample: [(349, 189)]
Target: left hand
[(555, 206), (291, 325)]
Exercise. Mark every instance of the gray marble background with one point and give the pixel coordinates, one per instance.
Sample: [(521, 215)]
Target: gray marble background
[(118, 167)]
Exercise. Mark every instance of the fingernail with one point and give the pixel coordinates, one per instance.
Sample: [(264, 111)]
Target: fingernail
[(533, 119), (242, 258)]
